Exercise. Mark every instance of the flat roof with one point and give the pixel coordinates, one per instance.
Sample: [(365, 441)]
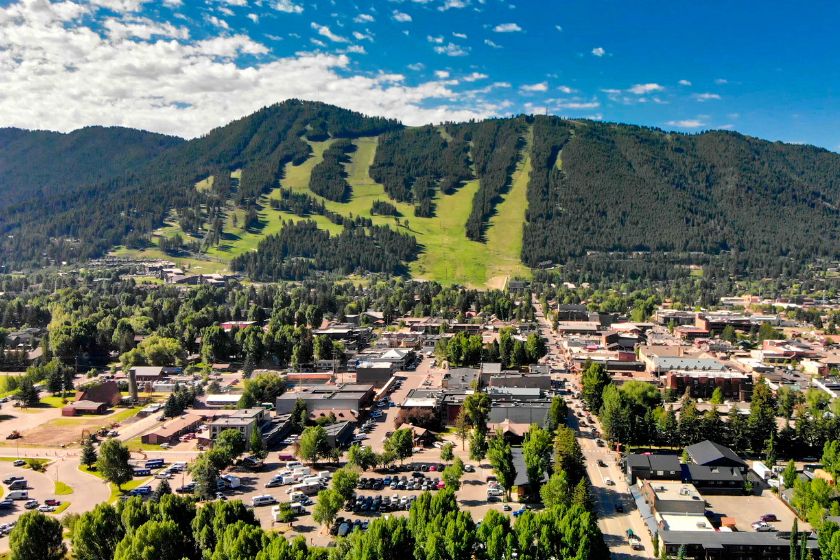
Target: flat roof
[(697, 523), (223, 399), (674, 491)]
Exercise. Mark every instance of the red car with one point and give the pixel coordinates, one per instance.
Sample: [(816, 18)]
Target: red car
[(52, 502), (769, 517)]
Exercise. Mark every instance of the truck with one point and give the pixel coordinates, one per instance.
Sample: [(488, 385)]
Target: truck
[(230, 481), (310, 488), (762, 470)]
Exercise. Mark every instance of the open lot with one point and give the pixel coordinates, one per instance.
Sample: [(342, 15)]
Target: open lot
[(747, 509)]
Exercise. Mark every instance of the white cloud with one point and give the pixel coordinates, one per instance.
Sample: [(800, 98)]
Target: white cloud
[(325, 31), (535, 87), (475, 76), (356, 49), (566, 89), (705, 96), (454, 4), (434, 39), (361, 36), (578, 105), (507, 28), (598, 51), (453, 50), (611, 91), (459, 35), (721, 81), (218, 22), (734, 116), (226, 11), (558, 28), (641, 89), (363, 18), (441, 74), (287, 6), (254, 17), (144, 79), (319, 43), (235, 2), (492, 44), (501, 84), (688, 123), (417, 67), (685, 83), (399, 16), (727, 126)]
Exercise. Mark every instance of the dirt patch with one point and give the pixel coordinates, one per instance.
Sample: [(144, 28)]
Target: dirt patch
[(62, 431)]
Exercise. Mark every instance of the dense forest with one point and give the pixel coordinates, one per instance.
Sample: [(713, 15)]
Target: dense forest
[(495, 149), (607, 187), (302, 247), (412, 164), (603, 198), (43, 165), (86, 220)]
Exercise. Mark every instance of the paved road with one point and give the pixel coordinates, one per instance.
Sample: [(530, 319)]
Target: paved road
[(614, 525)]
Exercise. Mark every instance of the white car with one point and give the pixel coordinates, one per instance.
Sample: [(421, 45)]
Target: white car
[(608, 481), (46, 509)]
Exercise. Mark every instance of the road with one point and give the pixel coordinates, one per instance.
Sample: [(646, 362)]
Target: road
[(613, 524)]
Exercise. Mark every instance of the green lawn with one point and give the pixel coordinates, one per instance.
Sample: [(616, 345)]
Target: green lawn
[(61, 508), (95, 473), (126, 488), (55, 402), (62, 489), (106, 420), (137, 443)]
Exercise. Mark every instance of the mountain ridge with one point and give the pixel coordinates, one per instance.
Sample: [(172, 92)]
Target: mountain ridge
[(619, 188)]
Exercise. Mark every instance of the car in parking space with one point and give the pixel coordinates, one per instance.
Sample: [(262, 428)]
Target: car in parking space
[(506, 507), (31, 504), (7, 504), (519, 512), (46, 509), (469, 468), (52, 502), (11, 479)]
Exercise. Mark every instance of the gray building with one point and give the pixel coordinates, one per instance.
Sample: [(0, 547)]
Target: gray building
[(374, 373), (535, 412), (460, 378), (339, 434), (652, 467), (327, 397), (521, 380), (244, 420), (738, 545), (673, 497)]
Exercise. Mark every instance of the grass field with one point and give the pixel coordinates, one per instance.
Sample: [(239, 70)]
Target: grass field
[(60, 509), (137, 443), (62, 489), (447, 255)]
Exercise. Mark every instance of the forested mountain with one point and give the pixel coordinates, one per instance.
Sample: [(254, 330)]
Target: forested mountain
[(594, 188), (42, 164)]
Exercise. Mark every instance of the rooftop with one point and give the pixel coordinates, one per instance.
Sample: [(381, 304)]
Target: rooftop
[(674, 491)]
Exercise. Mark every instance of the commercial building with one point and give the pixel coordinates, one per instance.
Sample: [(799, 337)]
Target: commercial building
[(245, 420), (375, 373), (84, 407), (651, 467), (710, 454), (702, 384), (176, 428), (327, 397), (738, 545), (540, 382), (339, 434), (107, 392), (669, 497)]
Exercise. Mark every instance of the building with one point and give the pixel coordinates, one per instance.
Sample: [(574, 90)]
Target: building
[(375, 373), (521, 380), (670, 497), (460, 378), (534, 412), (519, 394), (107, 392), (84, 407), (664, 364), (222, 400), (678, 318), (710, 454), (578, 327), (513, 434), (651, 467), (339, 434), (702, 384), (347, 396), (147, 373), (422, 436), (176, 428), (715, 480), (521, 488), (737, 545), (245, 420)]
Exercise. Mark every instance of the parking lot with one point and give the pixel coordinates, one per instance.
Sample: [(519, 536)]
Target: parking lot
[(746, 510)]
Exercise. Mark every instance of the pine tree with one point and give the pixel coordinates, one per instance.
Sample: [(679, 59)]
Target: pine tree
[(89, 456)]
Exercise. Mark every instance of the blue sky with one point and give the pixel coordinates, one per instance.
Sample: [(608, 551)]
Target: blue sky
[(767, 69)]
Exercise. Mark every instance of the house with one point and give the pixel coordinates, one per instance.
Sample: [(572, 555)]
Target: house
[(651, 467), (512, 432), (521, 485), (84, 407), (107, 392), (171, 431), (422, 436), (710, 454), (147, 373)]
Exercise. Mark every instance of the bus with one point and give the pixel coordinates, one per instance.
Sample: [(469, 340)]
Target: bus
[(154, 464)]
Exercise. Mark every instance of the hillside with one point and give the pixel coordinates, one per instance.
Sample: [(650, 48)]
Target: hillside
[(44, 164), (468, 203)]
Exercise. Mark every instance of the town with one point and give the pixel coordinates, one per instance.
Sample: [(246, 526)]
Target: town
[(698, 434)]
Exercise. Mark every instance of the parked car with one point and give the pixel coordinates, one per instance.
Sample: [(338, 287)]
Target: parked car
[(506, 507), (52, 502), (11, 479), (769, 517), (7, 504), (31, 504), (519, 512), (46, 509), (763, 527)]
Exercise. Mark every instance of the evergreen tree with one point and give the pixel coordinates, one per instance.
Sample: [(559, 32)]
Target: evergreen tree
[(88, 456)]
